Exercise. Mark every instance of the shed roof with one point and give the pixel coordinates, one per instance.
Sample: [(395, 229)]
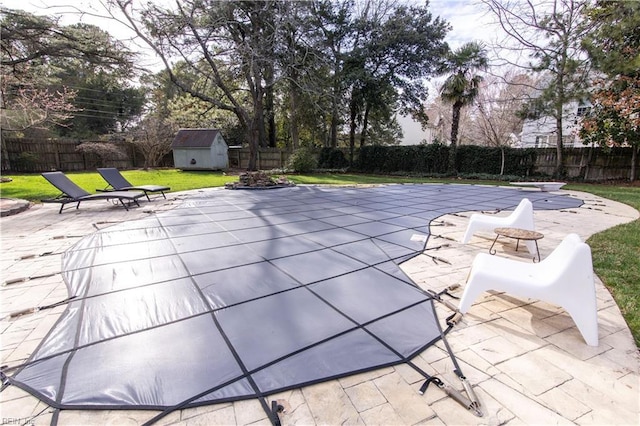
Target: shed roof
[(194, 138)]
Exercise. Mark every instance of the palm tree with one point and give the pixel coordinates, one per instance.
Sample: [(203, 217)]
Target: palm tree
[(461, 86)]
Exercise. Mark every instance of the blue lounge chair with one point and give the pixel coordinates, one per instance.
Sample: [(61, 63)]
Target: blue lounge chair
[(72, 193), (117, 182)]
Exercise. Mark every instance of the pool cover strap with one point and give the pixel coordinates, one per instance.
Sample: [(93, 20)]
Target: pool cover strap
[(431, 379)]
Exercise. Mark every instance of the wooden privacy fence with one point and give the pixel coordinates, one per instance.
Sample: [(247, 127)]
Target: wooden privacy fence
[(37, 155), (268, 158), (590, 164)]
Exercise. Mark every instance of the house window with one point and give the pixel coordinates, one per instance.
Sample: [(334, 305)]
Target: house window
[(541, 141), (583, 110), (567, 141)]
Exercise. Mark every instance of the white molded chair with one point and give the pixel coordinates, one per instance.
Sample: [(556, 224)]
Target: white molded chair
[(564, 278), (521, 217)]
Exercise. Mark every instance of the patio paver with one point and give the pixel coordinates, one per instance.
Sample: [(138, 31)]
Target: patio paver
[(525, 359)]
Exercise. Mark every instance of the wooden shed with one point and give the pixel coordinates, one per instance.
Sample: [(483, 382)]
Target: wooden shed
[(200, 149)]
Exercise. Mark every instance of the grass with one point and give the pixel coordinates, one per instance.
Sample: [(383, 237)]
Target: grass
[(615, 251), (616, 254), (34, 187), (353, 179)]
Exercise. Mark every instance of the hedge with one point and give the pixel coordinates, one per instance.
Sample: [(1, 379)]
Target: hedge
[(487, 160), (419, 159), (432, 160)]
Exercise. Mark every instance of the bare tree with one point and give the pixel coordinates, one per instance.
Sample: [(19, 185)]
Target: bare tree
[(25, 106), (28, 96), (550, 33), (153, 138), (498, 105), (439, 113)]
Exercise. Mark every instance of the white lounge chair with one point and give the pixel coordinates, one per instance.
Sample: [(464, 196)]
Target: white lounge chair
[(564, 278), (521, 217)]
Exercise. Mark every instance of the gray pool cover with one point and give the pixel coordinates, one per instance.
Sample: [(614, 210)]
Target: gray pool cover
[(241, 294)]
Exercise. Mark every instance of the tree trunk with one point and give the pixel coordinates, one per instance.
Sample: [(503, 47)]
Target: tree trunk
[(295, 137), (634, 162), (455, 122), (334, 103), (365, 124), (352, 131), (256, 130), (502, 155), (269, 107), (559, 173), (334, 121), (254, 144), (262, 132)]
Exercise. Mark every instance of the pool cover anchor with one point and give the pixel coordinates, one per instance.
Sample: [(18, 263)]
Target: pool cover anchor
[(456, 316), (438, 297), (276, 409), (34, 255), (36, 309), (471, 403), (475, 401), (454, 319), (29, 278)]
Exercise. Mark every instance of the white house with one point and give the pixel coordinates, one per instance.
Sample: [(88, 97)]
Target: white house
[(200, 149), (541, 133), (414, 134)]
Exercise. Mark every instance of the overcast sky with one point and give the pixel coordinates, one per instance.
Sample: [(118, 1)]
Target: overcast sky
[(468, 19), (466, 16)]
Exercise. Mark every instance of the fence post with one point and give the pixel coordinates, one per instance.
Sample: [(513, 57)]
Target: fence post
[(132, 149), (56, 153)]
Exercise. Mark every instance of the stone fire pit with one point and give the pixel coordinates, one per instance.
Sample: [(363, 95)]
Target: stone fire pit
[(259, 180)]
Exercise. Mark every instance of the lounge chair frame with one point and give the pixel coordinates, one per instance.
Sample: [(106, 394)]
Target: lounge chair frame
[(72, 193), (117, 182)]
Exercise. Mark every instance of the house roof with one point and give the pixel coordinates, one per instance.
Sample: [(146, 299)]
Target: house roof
[(194, 138)]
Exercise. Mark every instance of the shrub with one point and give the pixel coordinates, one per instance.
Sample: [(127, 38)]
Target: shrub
[(332, 158), (98, 153), (26, 160), (302, 160)]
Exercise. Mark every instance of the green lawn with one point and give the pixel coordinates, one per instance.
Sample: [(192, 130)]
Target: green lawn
[(34, 187), (616, 254), (615, 251)]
